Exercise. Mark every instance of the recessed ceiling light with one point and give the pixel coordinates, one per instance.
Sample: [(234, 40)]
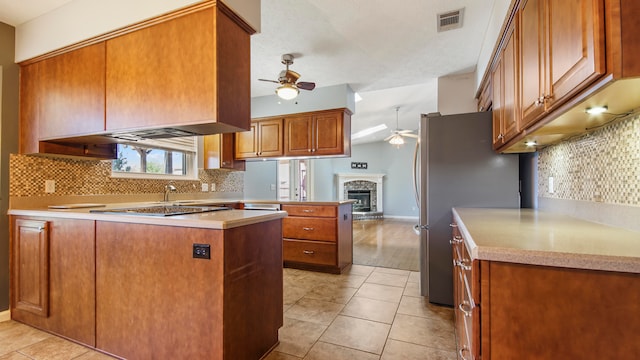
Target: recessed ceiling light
[(596, 110), (357, 97)]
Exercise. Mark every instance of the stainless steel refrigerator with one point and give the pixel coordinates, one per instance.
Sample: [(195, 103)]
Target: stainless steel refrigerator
[(455, 166)]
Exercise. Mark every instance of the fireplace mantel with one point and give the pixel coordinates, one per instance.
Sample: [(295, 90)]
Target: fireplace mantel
[(376, 178)]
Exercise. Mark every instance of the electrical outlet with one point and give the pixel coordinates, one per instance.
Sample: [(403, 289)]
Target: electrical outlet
[(201, 251), (49, 186), (272, 187), (205, 187), (551, 188), (213, 186)]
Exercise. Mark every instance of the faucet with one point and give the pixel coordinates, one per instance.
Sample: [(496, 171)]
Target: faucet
[(168, 188)]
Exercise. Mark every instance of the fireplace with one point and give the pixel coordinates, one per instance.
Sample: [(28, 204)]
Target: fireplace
[(363, 200), (366, 189)]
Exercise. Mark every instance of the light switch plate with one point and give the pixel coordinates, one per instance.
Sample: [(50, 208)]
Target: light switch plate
[(551, 188), (205, 187)]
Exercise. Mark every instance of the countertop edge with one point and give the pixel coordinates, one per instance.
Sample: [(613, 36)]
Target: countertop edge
[(546, 258), (209, 220)]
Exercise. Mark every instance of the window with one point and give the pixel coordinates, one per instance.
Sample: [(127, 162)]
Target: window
[(173, 158)]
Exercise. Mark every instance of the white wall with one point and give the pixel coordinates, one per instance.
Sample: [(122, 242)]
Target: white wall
[(79, 20), (456, 94), (329, 97), (498, 15)]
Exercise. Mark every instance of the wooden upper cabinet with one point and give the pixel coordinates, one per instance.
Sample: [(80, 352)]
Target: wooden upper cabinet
[(504, 80), (219, 151), (189, 70), (263, 140), (319, 133), (532, 61), (72, 93), (62, 96), (562, 52)]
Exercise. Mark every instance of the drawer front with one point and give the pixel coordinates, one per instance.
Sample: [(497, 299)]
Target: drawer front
[(311, 252), (323, 229), (311, 210)]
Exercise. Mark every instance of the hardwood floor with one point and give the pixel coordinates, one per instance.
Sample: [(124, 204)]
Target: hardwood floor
[(388, 243)]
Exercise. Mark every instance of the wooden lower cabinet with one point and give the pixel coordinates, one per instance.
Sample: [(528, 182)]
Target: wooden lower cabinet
[(155, 301), (520, 311), (53, 272), (318, 237)]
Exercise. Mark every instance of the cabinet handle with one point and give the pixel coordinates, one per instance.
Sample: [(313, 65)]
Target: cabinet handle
[(461, 353), (308, 252), (308, 150), (307, 210), (466, 309), (453, 225), (462, 265), (307, 228), (500, 137), (456, 240), (224, 163)]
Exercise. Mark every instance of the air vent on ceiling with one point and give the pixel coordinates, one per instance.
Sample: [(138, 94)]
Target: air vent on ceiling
[(450, 20)]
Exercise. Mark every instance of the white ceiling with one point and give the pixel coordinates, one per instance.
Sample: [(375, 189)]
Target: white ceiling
[(388, 52)]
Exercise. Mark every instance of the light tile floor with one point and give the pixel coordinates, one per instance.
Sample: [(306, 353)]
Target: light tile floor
[(368, 313)]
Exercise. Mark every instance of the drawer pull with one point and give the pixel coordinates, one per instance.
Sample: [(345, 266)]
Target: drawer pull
[(453, 225), (308, 229), (308, 252), (307, 210), (461, 353), (466, 309), (462, 265), (456, 240)]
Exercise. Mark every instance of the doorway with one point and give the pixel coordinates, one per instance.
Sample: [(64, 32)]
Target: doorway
[(295, 179)]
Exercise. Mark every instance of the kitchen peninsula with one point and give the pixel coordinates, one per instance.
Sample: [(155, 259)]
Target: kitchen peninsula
[(198, 286), (536, 285)]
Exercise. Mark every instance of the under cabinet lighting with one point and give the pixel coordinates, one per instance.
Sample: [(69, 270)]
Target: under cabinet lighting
[(596, 110), (531, 143)]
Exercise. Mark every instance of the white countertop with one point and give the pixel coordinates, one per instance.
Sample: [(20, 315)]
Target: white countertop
[(224, 219), (541, 238)]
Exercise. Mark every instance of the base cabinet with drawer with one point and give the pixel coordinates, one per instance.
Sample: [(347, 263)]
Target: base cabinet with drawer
[(318, 237), (509, 310)]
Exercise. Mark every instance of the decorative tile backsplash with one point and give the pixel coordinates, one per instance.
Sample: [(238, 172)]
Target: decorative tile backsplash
[(603, 166), (91, 177)]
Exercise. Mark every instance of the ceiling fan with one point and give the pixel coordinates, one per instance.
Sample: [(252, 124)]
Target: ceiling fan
[(396, 137), (289, 87)]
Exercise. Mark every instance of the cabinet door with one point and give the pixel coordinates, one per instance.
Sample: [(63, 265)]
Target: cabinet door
[(576, 46), (219, 152), (72, 93), (29, 108), (532, 61), (298, 135), (68, 248), (31, 267), (509, 87), (163, 75), (328, 135), (270, 134), (247, 143), (497, 85)]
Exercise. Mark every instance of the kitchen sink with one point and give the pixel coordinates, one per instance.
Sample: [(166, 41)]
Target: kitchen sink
[(163, 210)]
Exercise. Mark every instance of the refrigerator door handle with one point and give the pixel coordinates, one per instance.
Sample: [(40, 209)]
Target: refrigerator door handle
[(417, 228), (415, 173)]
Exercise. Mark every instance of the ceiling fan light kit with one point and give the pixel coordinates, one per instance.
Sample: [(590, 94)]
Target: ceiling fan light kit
[(288, 79), (397, 136), (287, 91)]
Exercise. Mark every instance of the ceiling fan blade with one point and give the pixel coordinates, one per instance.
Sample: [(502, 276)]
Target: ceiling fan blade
[(404, 131), (306, 85), (389, 137), (410, 135), (273, 81)]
